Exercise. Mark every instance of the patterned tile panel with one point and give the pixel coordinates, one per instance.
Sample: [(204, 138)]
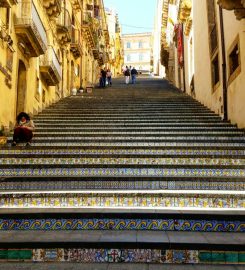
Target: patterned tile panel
[(98, 184), (103, 184), (134, 200), (126, 161), (149, 151), (65, 143), (157, 256), (50, 224), (128, 172)]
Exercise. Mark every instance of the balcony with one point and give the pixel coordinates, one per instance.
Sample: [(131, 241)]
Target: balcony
[(77, 5), (30, 30), (8, 3), (87, 28), (53, 7), (50, 67), (64, 27), (96, 52), (107, 37), (76, 44), (237, 5)]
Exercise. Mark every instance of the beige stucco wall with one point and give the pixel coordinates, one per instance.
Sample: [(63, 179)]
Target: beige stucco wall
[(203, 81), (236, 89)]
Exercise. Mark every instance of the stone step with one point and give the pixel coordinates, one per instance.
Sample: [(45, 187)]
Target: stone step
[(121, 183), (144, 121), (122, 161), (128, 116), (53, 132), (145, 143), (128, 127), (151, 240)]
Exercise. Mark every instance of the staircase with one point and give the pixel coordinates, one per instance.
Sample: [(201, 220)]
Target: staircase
[(130, 174)]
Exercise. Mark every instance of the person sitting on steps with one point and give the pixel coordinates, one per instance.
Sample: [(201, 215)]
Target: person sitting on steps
[(23, 130)]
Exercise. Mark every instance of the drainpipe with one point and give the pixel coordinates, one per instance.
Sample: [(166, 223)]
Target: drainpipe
[(224, 70), (183, 44)]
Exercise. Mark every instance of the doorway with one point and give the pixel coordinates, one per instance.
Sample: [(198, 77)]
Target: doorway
[(21, 88)]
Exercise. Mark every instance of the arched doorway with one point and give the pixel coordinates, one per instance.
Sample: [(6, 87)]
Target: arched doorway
[(21, 88)]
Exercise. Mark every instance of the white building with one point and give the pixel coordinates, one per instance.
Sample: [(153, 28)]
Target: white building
[(138, 51)]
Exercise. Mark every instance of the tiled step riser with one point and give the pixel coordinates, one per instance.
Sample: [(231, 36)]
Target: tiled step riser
[(172, 117), (140, 152), (122, 184), (159, 122), (120, 172), (120, 224), (129, 128), (217, 162), (116, 200), (194, 144), (133, 257)]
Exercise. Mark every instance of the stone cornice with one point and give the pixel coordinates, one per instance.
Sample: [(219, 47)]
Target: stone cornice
[(237, 5)]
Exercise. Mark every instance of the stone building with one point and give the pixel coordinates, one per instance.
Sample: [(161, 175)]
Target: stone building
[(203, 51), (138, 51), (47, 48)]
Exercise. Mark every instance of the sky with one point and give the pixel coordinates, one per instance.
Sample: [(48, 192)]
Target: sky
[(137, 13)]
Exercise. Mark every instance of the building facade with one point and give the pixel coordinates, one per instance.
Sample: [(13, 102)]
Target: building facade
[(203, 51), (138, 51), (116, 48), (47, 48)]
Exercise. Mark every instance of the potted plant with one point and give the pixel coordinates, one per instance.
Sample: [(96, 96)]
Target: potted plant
[(3, 138)]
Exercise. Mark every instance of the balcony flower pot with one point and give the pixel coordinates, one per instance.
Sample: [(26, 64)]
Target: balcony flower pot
[(74, 91)]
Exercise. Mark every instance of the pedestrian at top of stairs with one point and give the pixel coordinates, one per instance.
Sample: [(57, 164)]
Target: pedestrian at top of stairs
[(109, 76), (23, 130), (127, 75), (134, 73)]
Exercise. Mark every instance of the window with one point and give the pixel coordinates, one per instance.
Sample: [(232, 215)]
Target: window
[(234, 60), (213, 37), (141, 57), (140, 44), (128, 57), (128, 45), (215, 70), (213, 43)]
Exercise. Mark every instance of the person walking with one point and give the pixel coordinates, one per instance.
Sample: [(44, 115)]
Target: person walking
[(134, 73), (109, 75), (23, 129), (103, 77), (127, 75)]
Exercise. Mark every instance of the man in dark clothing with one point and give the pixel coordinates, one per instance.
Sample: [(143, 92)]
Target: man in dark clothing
[(103, 77), (133, 75)]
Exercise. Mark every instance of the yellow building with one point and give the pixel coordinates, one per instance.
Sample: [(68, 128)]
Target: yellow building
[(203, 51), (116, 48), (47, 48)]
